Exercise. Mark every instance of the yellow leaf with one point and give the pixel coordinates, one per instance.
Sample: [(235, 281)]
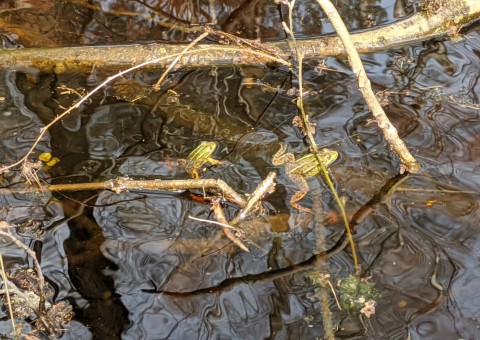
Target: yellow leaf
[(45, 157)]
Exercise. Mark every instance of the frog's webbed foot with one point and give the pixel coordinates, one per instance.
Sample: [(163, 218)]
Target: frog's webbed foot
[(194, 174)]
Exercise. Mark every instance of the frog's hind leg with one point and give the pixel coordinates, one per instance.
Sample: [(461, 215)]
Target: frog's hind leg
[(297, 197)]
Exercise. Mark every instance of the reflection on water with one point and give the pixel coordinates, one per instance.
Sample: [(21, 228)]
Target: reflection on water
[(49, 23), (137, 262)]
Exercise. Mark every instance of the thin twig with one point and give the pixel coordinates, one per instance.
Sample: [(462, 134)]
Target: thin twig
[(224, 225), (41, 280), (314, 150), (156, 87)]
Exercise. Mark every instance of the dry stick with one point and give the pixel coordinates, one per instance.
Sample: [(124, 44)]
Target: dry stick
[(211, 222), (119, 74), (389, 131), (7, 294), (125, 184), (267, 186)]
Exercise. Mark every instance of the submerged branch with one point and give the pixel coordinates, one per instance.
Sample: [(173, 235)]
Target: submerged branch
[(420, 26)]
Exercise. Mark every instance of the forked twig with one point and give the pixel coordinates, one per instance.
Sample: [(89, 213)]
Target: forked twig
[(5, 231), (220, 216), (156, 87), (264, 188)]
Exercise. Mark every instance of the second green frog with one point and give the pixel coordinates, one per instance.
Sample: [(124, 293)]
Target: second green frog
[(302, 168), (200, 156)]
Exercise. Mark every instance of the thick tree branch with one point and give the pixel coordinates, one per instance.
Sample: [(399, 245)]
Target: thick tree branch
[(419, 27)]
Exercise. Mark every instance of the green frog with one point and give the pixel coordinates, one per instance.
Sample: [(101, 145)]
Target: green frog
[(200, 156), (302, 168)]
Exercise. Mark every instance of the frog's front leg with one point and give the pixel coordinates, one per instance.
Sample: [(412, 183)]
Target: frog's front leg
[(214, 161), (302, 183), (281, 157)]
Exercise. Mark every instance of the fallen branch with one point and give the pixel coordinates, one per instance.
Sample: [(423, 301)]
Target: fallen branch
[(184, 52), (123, 184), (420, 26)]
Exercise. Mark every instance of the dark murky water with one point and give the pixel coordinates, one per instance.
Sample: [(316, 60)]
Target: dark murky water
[(135, 266)]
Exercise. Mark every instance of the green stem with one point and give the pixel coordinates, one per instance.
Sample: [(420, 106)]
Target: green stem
[(325, 173)]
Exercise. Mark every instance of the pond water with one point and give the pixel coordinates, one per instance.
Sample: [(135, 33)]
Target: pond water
[(134, 265)]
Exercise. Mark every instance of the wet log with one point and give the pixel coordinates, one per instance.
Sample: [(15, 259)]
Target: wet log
[(421, 26)]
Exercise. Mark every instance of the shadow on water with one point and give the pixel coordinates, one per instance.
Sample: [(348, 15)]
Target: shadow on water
[(134, 265)]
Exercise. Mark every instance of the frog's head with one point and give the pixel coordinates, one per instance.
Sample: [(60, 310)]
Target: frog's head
[(328, 156), (207, 147)]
